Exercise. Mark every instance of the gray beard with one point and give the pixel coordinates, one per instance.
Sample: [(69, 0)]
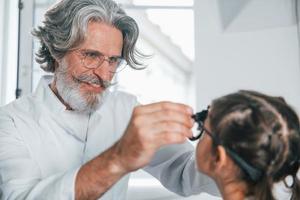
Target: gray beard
[(69, 90)]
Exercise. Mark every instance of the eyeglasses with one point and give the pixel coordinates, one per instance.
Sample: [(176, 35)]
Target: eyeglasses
[(199, 118), (253, 173), (92, 59)]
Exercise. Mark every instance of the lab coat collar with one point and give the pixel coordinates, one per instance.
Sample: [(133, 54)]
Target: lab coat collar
[(46, 95), (75, 123)]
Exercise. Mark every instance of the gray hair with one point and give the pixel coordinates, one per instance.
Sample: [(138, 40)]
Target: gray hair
[(66, 23)]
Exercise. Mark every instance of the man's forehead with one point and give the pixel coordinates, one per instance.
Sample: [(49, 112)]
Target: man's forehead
[(103, 38)]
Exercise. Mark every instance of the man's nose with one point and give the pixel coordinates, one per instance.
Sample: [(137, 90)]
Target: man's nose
[(104, 71)]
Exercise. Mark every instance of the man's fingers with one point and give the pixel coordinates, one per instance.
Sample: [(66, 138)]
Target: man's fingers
[(155, 107), (166, 138), (167, 116), (171, 127)]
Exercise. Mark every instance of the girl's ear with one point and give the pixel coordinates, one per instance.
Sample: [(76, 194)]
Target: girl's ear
[(225, 168), (217, 163), (221, 159)]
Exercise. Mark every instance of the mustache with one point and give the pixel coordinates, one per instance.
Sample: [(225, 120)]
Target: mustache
[(93, 80)]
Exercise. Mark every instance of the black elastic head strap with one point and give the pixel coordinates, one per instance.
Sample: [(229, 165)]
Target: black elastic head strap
[(253, 173)]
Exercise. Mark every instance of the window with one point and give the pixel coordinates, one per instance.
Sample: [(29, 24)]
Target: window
[(8, 50), (166, 32)]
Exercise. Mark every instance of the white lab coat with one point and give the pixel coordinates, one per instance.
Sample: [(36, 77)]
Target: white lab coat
[(43, 145)]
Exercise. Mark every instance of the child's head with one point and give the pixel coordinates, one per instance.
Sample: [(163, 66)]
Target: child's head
[(251, 138)]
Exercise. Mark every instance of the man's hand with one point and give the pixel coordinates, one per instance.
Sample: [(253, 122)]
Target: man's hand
[(151, 127)]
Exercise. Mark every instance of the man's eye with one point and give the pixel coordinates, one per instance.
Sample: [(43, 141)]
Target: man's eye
[(113, 60), (90, 55)]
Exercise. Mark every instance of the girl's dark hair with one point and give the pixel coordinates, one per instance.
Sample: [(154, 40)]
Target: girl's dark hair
[(264, 131)]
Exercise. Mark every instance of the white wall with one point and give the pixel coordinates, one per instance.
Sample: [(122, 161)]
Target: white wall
[(266, 60)]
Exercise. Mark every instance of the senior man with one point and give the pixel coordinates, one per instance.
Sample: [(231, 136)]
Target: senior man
[(73, 138)]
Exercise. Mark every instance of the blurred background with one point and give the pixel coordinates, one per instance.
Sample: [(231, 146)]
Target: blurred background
[(201, 49)]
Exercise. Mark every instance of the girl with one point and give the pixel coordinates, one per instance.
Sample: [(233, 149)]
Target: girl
[(249, 142)]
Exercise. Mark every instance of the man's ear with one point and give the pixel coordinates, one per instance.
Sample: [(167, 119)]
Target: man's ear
[(56, 64)]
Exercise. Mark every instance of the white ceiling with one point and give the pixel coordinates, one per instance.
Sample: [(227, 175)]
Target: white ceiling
[(249, 15)]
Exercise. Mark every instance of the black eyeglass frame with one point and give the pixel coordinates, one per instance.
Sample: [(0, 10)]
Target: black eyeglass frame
[(253, 173), (199, 119)]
